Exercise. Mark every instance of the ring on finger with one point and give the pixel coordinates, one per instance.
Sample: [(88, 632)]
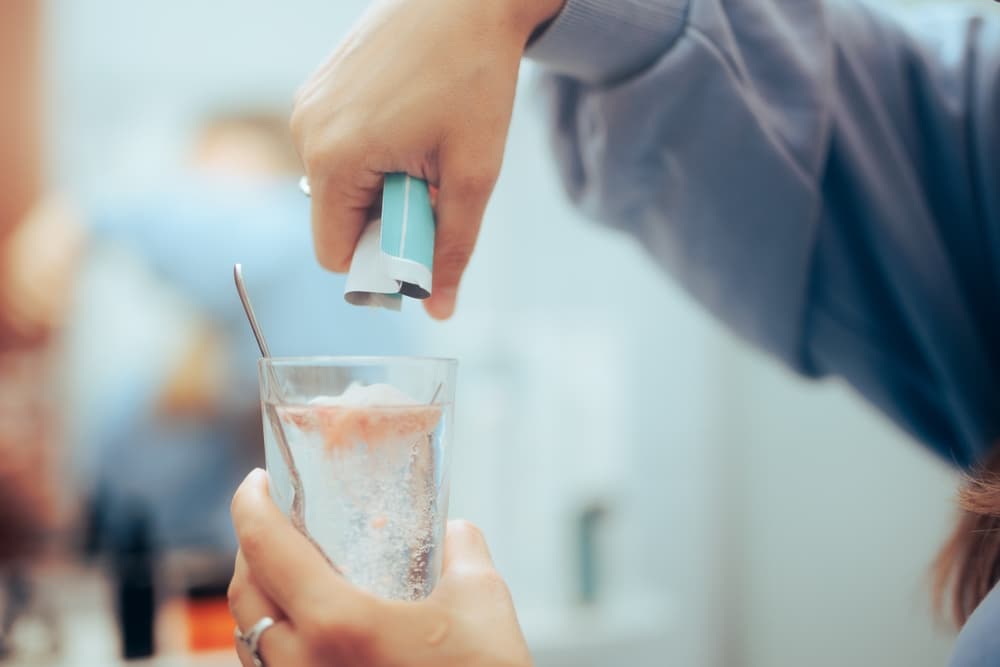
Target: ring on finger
[(251, 639)]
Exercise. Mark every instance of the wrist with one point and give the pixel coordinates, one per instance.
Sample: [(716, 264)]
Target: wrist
[(531, 15)]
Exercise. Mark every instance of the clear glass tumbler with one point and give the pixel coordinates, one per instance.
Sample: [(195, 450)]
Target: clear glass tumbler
[(358, 453)]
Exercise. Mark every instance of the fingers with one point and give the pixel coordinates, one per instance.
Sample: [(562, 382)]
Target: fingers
[(465, 547), (247, 603), (468, 571), (340, 210), (469, 579), (465, 189), (339, 215), (278, 645), (343, 185), (288, 569)]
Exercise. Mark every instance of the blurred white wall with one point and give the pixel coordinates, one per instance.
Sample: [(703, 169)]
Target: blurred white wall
[(776, 523), (840, 518)]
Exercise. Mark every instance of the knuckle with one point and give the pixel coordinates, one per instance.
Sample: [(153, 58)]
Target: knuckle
[(299, 122), (252, 537), (343, 134), (474, 183), (234, 593), (296, 121), (314, 156), (299, 97), (322, 150)]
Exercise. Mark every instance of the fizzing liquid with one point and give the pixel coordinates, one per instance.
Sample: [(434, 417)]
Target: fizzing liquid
[(373, 495)]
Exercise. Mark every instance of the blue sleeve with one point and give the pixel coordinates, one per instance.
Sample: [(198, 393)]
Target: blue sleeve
[(823, 177)]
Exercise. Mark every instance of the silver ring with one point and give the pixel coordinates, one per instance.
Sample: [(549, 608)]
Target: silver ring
[(304, 186), (252, 639)]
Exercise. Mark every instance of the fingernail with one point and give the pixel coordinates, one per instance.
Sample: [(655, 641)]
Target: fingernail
[(253, 476)]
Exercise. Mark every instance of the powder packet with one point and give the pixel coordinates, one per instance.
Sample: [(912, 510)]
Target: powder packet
[(395, 254)]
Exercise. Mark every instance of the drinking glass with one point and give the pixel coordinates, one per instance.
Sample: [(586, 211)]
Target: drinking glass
[(358, 453)]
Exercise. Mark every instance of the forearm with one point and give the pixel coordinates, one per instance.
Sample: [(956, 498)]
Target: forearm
[(533, 14), (820, 177), (682, 125)]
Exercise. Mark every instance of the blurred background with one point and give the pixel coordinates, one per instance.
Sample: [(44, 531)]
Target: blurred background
[(654, 492)]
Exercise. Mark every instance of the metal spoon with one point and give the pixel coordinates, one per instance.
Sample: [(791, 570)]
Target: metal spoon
[(241, 288), (298, 511)]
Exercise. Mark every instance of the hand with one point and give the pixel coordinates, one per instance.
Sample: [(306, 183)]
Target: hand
[(423, 87), (468, 621)]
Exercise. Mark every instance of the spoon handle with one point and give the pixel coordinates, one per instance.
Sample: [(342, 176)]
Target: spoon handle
[(241, 289)]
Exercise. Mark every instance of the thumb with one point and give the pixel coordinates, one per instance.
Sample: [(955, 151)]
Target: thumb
[(465, 548)]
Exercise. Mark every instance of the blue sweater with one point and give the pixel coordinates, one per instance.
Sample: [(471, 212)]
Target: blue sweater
[(823, 177)]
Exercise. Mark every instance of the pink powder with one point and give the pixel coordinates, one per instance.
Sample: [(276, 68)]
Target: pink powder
[(374, 415)]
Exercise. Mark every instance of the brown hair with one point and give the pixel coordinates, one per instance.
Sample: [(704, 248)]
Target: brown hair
[(968, 566)]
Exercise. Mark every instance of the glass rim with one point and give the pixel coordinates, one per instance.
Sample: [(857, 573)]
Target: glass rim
[(347, 361)]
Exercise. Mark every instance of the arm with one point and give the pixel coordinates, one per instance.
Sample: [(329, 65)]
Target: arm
[(820, 176)]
